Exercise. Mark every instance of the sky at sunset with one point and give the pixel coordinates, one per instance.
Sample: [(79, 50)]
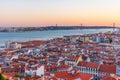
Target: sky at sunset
[(61, 12)]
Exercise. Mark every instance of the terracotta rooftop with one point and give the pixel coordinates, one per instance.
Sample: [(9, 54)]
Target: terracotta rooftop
[(111, 77), (88, 64), (73, 57), (108, 68), (92, 64), (70, 76)]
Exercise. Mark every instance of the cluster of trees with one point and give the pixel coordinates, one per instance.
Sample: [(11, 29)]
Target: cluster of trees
[(110, 40), (2, 77)]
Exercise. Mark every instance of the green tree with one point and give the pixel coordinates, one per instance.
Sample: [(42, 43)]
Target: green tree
[(2, 77), (17, 75), (110, 40)]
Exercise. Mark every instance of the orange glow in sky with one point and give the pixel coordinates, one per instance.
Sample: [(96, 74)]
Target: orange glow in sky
[(61, 12)]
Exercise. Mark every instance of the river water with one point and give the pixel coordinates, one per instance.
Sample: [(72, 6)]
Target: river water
[(44, 35)]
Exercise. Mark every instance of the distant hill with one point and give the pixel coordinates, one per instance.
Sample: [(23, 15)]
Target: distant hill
[(22, 29)]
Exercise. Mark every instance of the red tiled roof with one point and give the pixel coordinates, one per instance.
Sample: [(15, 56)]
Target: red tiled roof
[(8, 75), (36, 42), (3, 52), (108, 77), (88, 64), (33, 42), (107, 68), (9, 56), (63, 66), (52, 78), (73, 57), (82, 63), (92, 64), (69, 76), (9, 49)]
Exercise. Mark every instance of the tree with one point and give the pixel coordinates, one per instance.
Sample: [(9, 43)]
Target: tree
[(17, 75), (110, 40), (2, 77)]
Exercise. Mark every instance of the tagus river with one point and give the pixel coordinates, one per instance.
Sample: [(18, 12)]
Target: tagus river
[(44, 35)]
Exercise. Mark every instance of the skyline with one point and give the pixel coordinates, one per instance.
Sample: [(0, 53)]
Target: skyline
[(61, 12)]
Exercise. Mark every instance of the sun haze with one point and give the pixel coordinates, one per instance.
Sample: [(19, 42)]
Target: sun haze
[(61, 12)]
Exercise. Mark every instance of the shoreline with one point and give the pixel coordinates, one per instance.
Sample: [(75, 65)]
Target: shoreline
[(44, 35)]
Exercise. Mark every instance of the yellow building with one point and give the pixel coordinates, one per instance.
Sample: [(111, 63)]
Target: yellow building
[(85, 38)]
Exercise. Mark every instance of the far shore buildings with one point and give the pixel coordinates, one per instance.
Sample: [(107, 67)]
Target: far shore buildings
[(75, 57), (16, 45)]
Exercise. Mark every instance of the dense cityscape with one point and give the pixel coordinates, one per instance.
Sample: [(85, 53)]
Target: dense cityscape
[(59, 39), (74, 57)]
